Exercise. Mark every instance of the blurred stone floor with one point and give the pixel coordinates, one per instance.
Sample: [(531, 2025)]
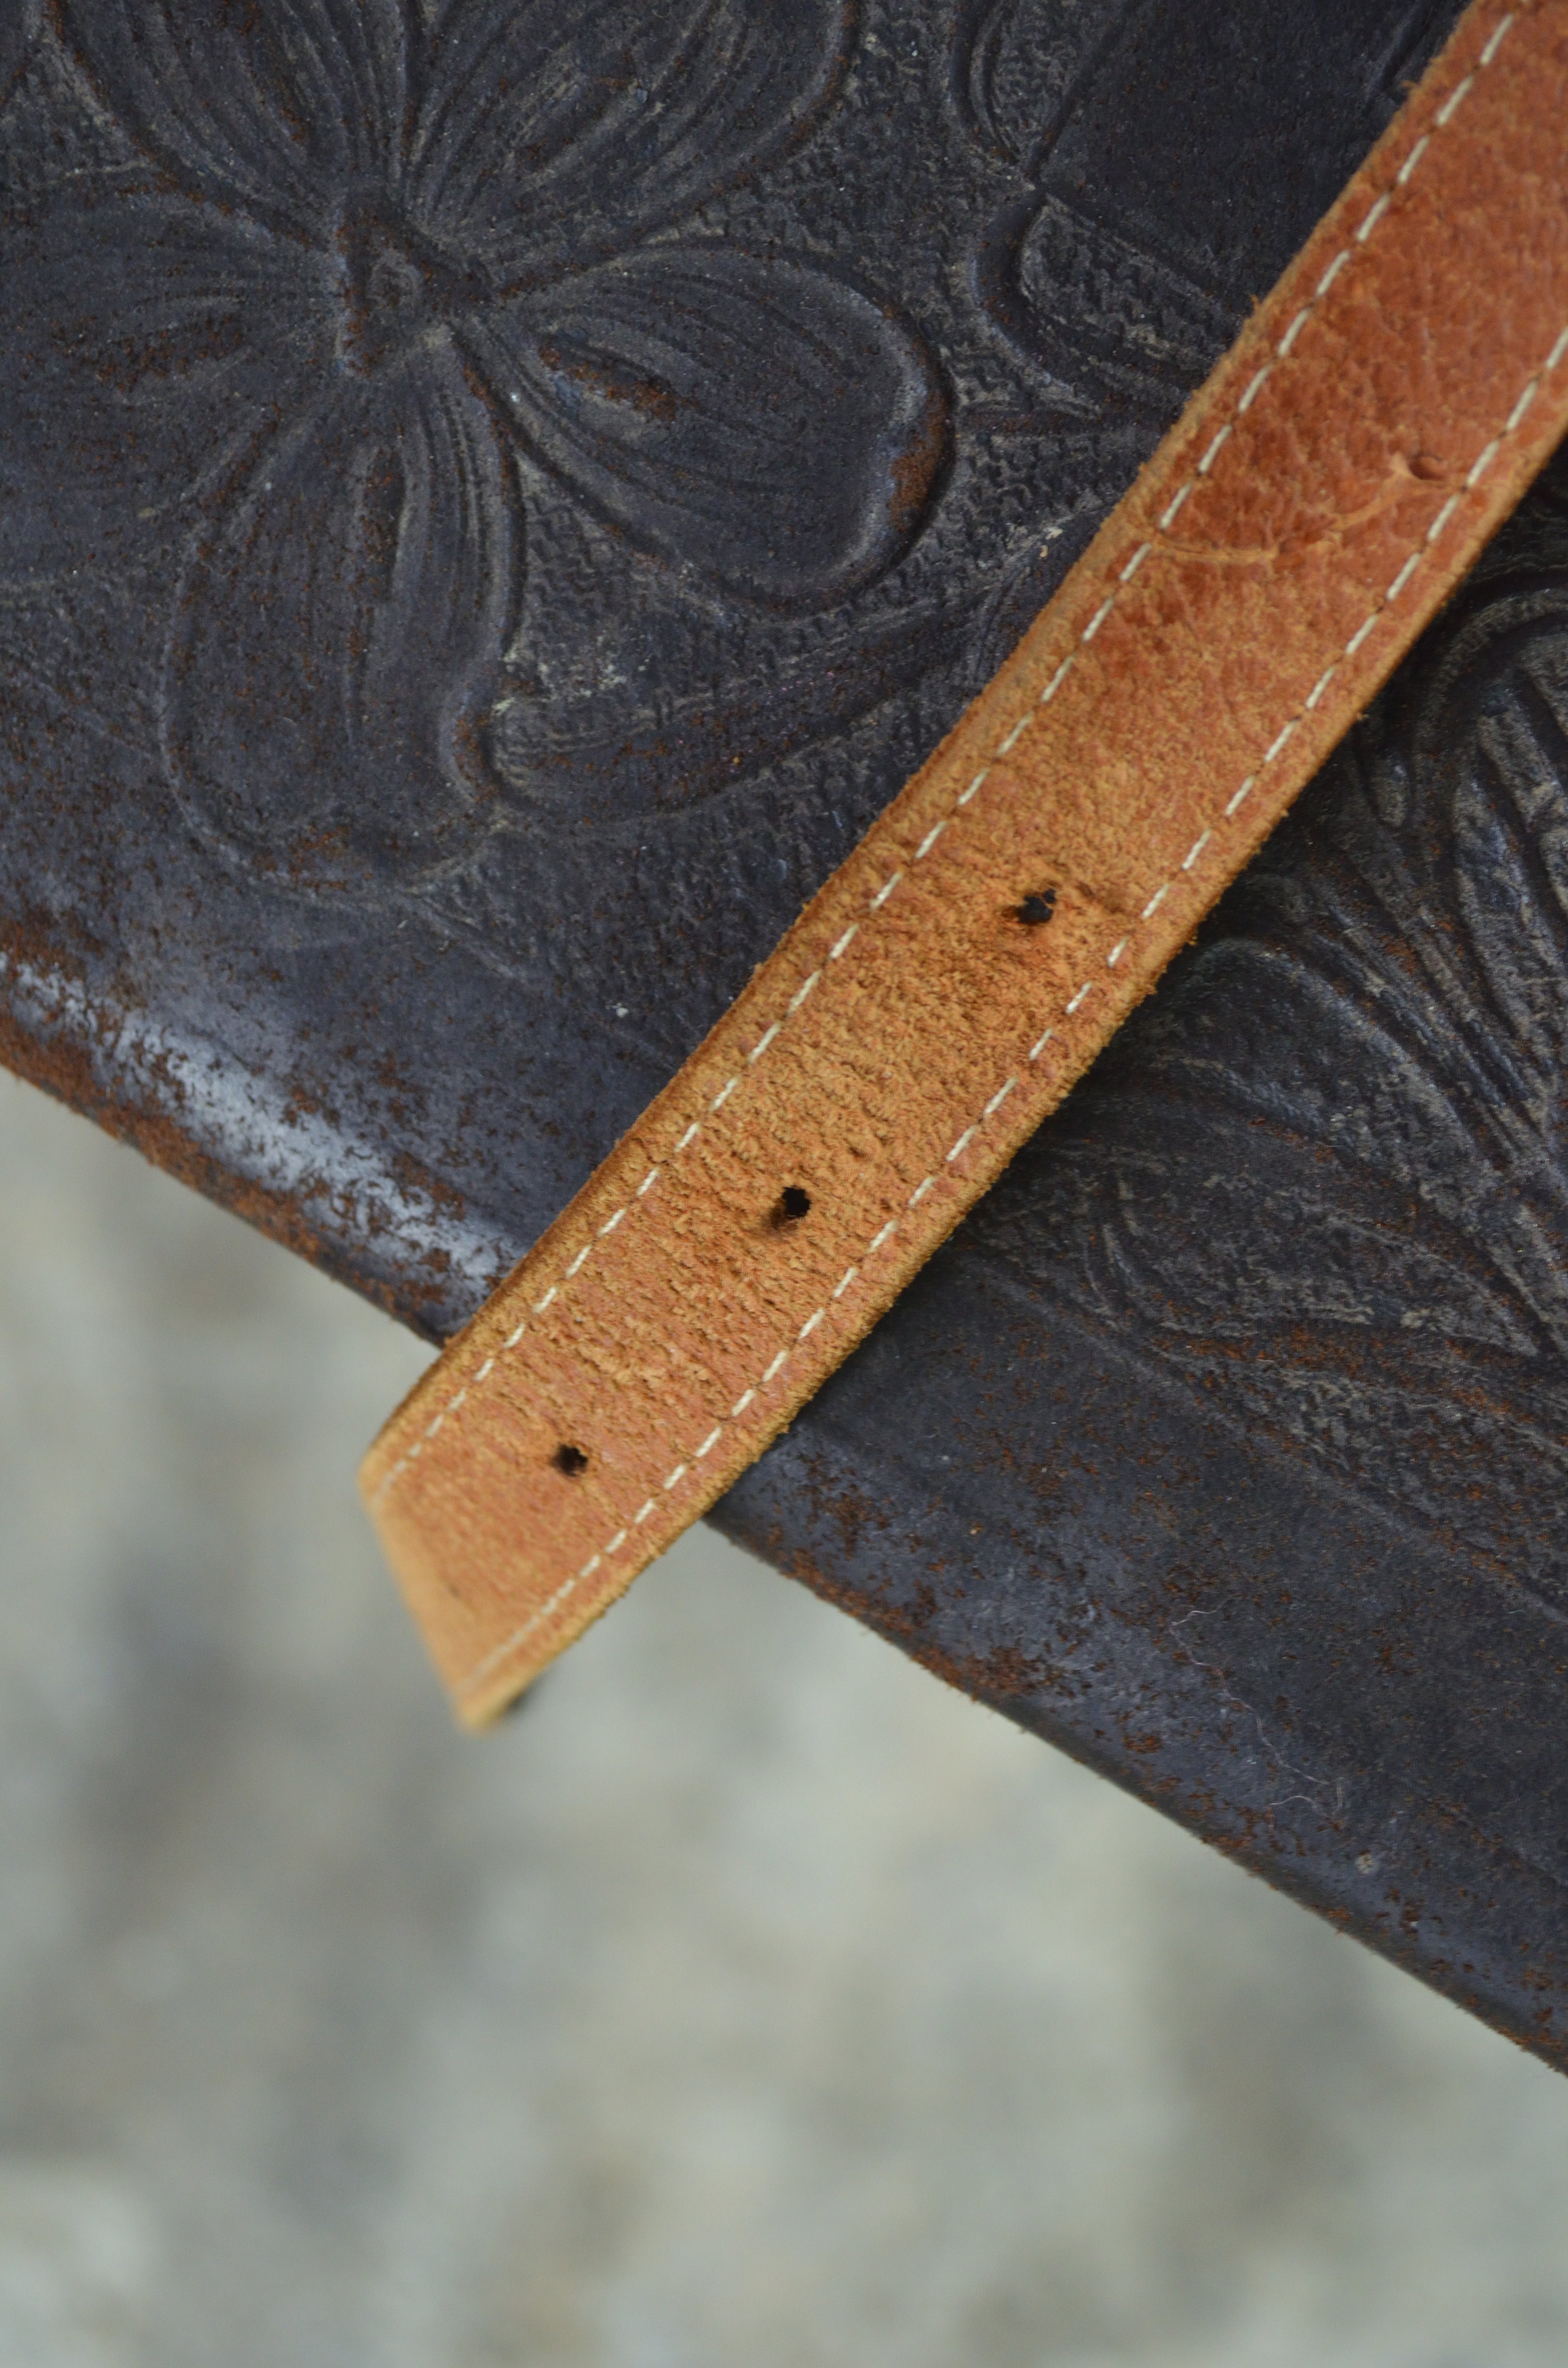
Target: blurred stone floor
[(749, 2002)]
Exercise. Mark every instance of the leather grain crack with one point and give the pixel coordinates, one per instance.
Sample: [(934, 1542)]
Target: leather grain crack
[(836, 985)]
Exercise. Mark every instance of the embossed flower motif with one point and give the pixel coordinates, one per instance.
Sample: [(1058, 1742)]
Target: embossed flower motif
[(383, 250), (1326, 1177), (1120, 265)]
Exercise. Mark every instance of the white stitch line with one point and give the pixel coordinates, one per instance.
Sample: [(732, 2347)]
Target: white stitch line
[(842, 947), (520, 1635), (721, 1099), (927, 1184), (1412, 160), (1367, 625), (1523, 404), (930, 841), (1403, 578), (550, 1297), (1168, 515), (1373, 218), (975, 786), (1495, 43), (1155, 901), (581, 1260), (1082, 996), (486, 1369), (883, 1237), (1233, 807), (748, 1397), (610, 1224), (1456, 99), (1444, 117), (1482, 464), (1321, 685), (1558, 350), (1006, 746), (803, 992), (742, 1404), (1444, 515), (757, 1049), (1117, 951), (1195, 850), (648, 1183)]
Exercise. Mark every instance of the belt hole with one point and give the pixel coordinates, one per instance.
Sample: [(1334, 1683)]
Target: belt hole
[(1036, 909), (571, 1460), (791, 1205)]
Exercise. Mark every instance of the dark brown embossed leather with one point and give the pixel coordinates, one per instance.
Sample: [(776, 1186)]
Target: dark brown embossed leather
[(1381, 413)]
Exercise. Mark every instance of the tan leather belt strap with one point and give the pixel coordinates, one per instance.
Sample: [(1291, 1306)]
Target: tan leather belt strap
[(1377, 418)]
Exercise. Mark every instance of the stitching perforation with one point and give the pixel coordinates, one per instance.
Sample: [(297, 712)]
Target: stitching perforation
[(813, 1322), (1123, 578)]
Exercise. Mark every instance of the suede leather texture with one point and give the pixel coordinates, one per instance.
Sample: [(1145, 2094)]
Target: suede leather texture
[(1381, 416), (408, 758)]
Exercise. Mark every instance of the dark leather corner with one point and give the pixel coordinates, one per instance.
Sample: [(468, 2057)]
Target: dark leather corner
[(412, 739)]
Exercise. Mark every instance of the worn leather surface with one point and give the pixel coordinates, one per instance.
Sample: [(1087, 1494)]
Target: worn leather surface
[(1332, 481), (1320, 1625)]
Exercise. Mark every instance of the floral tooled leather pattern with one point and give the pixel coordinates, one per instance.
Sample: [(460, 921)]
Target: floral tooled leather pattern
[(1324, 1179), (441, 764), (366, 257), (1135, 298)]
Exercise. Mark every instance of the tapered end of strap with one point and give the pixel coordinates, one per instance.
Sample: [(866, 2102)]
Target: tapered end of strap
[(1317, 502)]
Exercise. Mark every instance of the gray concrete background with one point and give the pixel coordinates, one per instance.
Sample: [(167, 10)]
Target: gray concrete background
[(750, 2002)]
